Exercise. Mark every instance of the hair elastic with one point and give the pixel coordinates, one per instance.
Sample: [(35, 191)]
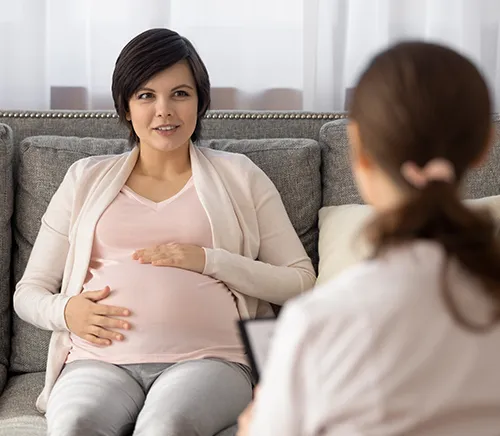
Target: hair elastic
[(438, 169)]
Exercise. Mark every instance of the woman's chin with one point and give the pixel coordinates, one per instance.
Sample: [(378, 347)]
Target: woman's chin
[(169, 146)]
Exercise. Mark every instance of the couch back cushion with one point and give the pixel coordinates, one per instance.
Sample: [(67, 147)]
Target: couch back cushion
[(294, 167), (338, 184), (292, 164), (6, 205)]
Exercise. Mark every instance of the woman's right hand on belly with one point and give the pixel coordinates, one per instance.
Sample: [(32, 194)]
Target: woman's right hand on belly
[(92, 321)]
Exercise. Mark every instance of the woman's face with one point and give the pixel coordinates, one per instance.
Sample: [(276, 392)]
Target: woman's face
[(374, 185), (358, 164), (163, 111)]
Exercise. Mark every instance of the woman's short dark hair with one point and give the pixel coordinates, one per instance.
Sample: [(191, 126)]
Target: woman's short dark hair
[(148, 54), (418, 101)]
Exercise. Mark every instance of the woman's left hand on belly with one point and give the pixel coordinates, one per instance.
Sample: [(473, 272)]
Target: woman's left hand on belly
[(185, 256)]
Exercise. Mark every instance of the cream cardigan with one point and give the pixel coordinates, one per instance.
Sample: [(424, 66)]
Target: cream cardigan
[(247, 218)]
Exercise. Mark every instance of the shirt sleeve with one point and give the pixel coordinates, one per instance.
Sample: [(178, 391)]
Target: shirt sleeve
[(283, 269), (37, 299), (322, 370), (283, 397)]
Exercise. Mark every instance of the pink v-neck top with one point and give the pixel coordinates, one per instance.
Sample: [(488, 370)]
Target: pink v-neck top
[(175, 314)]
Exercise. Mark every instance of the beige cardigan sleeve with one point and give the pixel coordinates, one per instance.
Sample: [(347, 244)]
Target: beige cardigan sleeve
[(37, 299), (282, 269)]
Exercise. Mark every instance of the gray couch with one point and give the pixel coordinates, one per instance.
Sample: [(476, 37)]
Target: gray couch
[(305, 154)]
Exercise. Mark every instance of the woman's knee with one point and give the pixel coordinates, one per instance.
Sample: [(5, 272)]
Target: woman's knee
[(93, 399), (171, 424), (85, 423)]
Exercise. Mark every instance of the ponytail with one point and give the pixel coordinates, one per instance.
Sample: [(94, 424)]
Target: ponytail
[(435, 212)]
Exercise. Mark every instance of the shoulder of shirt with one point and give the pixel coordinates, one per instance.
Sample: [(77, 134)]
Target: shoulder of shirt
[(368, 286), (339, 295), (333, 309), (95, 162)]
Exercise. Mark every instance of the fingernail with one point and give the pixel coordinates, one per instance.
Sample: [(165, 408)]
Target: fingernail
[(126, 312), (118, 337), (125, 326)]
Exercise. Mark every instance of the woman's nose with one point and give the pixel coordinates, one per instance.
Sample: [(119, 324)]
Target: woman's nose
[(163, 108)]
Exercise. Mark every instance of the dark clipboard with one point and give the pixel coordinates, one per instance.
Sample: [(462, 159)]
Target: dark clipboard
[(256, 337)]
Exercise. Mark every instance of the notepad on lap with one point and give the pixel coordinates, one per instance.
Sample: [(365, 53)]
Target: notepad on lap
[(256, 335)]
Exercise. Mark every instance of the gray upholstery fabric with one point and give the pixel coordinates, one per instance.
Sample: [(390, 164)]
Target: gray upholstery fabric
[(337, 180), (18, 415), (292, 164), (232, 124), (485, 181), (6, 204), (339, 186), (271, 127)]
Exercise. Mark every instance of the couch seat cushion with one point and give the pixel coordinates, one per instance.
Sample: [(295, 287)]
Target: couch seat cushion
[(18, 415)]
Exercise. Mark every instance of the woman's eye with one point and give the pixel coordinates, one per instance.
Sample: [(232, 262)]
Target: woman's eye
[(144, 95), (181, 94)]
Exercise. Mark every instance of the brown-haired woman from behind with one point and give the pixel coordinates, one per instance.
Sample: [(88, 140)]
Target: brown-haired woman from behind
[(407, 342)]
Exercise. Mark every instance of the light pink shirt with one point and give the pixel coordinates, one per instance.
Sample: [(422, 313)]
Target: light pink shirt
[(176, 314), (377, 352)]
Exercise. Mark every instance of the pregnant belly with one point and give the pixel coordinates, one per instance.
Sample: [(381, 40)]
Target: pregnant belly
[(173, 312)]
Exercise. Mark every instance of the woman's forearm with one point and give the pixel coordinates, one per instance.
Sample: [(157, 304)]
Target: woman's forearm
[(255, 278)]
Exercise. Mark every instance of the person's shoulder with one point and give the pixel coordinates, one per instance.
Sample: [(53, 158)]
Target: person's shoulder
[(91, 163), (346, 309), (327, 316), (377, 286), (340, 295), (99, 160)]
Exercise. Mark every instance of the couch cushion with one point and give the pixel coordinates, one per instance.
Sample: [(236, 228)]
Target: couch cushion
[(292, 164), (342, 242), (6, 205), (338, 183), (18, 415)]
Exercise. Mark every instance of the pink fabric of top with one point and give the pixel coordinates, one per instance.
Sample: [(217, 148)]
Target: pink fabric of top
[(175, 314)]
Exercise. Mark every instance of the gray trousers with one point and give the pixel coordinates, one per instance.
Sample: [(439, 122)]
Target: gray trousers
[(197, 397)]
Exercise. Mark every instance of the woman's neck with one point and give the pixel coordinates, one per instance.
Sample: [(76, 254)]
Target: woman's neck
[(163, 165)]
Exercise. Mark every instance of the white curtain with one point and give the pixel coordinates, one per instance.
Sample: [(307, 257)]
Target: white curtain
[(261, 54), (342, 35)]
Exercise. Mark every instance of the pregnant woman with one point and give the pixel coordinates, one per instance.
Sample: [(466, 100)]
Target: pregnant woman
[(145, 260)]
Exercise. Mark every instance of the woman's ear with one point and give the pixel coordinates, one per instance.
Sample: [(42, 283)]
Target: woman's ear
[(483, 156), (128, 117), (358, 156)]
